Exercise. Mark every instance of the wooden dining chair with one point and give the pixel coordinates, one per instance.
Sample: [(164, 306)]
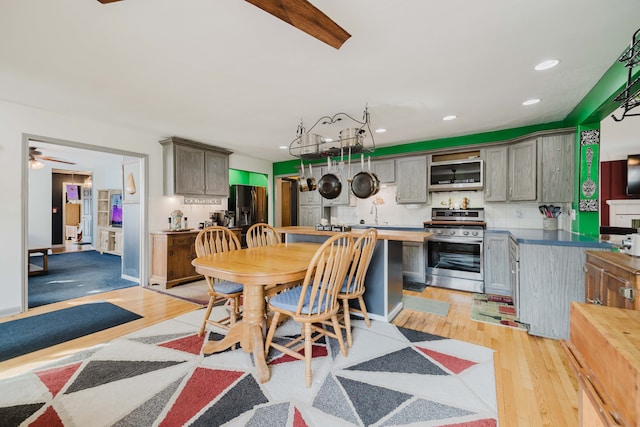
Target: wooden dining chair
[(213, 240), (353, 287), (262, 234), (313, 302)]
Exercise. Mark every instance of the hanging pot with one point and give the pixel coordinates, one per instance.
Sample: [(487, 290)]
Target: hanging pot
[(311, 181), (303, 185), (365, 183), (329, 185)]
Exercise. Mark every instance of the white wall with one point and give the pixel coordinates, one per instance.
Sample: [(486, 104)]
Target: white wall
[(619, 139), (16, 120)]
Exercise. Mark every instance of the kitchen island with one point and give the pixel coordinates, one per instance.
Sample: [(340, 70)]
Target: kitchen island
[(383, 295)]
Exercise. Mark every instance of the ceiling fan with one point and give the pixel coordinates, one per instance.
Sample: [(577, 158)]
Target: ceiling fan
[(35, 157), (302, 15)]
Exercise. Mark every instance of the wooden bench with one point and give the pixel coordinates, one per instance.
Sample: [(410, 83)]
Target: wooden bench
[(36, 269)]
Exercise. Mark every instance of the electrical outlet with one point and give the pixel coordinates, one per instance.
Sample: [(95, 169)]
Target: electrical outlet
[(573, 214), (518, 213)]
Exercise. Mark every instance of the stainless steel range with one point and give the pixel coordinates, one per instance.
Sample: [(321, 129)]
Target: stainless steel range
[(454, 255)]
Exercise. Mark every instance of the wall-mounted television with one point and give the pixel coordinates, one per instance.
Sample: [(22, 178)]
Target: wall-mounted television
[(116, 210), (633, 175)]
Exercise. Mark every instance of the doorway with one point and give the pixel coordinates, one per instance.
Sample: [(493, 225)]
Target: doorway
[(287, 192), (104, 166)]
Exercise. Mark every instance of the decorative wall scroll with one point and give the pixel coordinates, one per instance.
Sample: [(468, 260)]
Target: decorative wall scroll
[(589, 155)]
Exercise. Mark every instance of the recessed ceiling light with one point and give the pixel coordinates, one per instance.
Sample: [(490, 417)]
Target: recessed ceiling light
[(283, 147), (545, 65), (531, 101), (449, 117), (328, 139), (381, 130)]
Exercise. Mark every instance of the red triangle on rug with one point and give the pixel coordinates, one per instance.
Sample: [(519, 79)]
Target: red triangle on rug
[(203, 387), (452, 363), (56, 378), (298, 421), (191, 344), (50, 418), (316, 351)]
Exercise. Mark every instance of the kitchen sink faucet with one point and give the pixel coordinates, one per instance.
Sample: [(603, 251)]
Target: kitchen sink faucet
[(374, 207)]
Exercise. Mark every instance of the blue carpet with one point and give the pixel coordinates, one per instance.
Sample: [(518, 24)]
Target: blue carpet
[(23, 336), (76, 274)]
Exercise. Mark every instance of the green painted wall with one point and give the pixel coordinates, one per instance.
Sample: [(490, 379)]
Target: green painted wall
[(240, 177)]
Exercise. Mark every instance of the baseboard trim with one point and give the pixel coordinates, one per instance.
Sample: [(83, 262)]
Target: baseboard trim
[(10, 311), (131, 278)]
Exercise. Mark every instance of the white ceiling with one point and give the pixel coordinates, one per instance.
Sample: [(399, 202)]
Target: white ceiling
[(229, 74)]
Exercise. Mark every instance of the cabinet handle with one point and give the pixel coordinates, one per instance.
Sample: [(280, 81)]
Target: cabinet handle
[(171, 253), (627, 293), (595, 301)]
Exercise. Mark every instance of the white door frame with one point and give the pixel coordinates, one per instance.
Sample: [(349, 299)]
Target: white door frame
[(143, 188)]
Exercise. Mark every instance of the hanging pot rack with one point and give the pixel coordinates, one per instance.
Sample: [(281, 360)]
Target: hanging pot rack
[(629, 97), (308, 145)]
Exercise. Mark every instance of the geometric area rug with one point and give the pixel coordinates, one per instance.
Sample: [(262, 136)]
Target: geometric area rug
[(158, 376)]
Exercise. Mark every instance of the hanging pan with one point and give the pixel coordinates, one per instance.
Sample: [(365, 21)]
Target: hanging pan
[(365, 183), (329, 185), (303, 185), (311, 181)]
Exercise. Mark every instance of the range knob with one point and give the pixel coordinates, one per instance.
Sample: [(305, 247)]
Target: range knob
[(475, 233), (438, 231), (466, 233), (452, 232)]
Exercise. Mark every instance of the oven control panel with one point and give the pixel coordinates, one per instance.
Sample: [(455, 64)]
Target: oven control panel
[(457, 232)]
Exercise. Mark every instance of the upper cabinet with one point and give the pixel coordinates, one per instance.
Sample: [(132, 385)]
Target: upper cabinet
[(194, 169), (495, 161), (556, 167), (411, 179), (522, 171), (385, 170)]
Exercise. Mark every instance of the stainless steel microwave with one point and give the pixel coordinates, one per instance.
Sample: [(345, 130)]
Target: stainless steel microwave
[(456, 175)]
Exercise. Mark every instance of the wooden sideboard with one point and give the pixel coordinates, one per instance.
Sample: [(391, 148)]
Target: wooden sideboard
[(612, 279), (171, 256), (604, 352)]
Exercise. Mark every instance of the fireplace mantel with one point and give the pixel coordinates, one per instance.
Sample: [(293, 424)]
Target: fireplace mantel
[(622, 212)]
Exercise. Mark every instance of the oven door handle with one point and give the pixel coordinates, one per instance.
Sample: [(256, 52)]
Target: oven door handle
[(454, 239)]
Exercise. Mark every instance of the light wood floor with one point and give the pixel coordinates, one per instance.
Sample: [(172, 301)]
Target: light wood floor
[(535, 385)]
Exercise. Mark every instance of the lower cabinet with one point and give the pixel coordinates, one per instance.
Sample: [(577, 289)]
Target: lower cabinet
[(309, 215), (110, 240), (171, 256), (551, 277), (612, 279), (413, 261), (497, 277)]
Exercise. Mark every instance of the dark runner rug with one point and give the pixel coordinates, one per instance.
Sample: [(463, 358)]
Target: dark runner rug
[(22, 336), (158, 376), (76, 274)]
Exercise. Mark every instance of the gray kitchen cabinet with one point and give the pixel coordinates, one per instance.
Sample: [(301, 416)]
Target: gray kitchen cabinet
[(194, 169), (411, 179), (309, 215), (551, 277), (556, 167), (413, 261), (495, 174), (497, 277), (514, 272), (385, 170), (523, 171)]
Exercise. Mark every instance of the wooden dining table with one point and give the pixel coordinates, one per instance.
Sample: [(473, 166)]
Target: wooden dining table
[(256, 268)]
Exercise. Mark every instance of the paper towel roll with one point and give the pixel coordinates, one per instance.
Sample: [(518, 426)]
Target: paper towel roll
[(635, 245)]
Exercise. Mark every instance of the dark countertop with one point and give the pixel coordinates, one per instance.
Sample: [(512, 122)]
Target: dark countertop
[(532, 236)]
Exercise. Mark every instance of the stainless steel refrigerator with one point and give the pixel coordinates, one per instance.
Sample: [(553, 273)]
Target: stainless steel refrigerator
[(249, 206)]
